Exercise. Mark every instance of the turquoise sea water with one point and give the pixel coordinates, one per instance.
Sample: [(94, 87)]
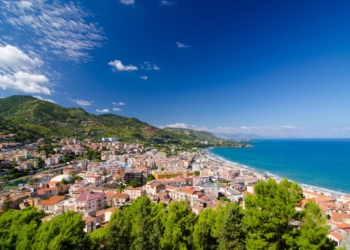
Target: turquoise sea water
[(323, 162)]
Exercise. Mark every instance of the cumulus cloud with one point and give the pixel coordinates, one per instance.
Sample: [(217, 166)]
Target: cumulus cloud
[(102, 110), (59, 28), (149, 66), (117, 64), (118, 103), (43, 99), (144, 77), (82, 102), (177, 125), (181, 45), (127, 2), (117, 109), (12, 58), (17, 71), (22, 81)]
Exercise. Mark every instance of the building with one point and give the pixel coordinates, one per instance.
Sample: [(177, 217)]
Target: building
[(47, 192), (210, 187), (116, 199), (90, 202), (110, 139), (133, 193), (48, 205), (132, 174), (171, 174)]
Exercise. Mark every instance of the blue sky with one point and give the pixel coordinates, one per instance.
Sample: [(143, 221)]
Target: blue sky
[(273, 68)]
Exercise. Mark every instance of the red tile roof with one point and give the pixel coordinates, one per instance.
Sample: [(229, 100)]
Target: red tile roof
[(51, 201)]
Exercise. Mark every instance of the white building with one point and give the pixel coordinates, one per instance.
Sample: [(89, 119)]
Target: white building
[(110, 139)]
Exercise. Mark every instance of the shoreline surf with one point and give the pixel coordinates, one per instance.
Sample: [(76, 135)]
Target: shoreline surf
[(305, 186)]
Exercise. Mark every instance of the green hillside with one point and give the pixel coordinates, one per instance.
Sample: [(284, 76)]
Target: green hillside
[(33, 118), (194, 134)]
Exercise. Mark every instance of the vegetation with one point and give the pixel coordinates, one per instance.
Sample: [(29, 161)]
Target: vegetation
[(263, 224), (32, 118)]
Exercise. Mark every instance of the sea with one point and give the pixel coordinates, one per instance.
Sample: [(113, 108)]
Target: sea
[(323, 163)]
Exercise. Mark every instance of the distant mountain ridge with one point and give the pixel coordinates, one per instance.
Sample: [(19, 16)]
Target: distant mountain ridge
[(195, 134), (31, 117)]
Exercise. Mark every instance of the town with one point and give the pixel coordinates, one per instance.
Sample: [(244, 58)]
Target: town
[(96, 178)]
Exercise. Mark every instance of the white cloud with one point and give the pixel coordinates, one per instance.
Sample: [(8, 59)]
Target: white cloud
[(181, 45), (117, 64), (150, 66), (102, 110), (144, 77), (117, 109), (166, 3), (17, 71), (82, 102), (29, 83), (57, 28), (24, 4), (43, 99), (127, 2), (14, 59), (118, 103), (177, 125)]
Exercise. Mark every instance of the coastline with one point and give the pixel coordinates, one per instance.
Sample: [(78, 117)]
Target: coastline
[(222, 161)]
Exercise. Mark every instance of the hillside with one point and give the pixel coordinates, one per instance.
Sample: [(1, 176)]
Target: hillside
[(202, 135), (32, 118)]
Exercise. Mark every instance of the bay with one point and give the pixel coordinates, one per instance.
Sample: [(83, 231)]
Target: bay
[(322, 163)]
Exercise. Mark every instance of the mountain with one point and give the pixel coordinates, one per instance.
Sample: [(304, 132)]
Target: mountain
[(238, 136), (202, 135), (33, 118)]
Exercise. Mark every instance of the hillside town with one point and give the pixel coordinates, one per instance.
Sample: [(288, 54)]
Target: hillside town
[(126, 171)]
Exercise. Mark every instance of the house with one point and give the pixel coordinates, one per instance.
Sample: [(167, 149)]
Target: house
[(95, 179), (90, 224), (153, 187), (62, 188), (103, 216), (133, 193), (15, 200), (116, 199), (336, 237), (340, 218), (210, 187), (190, 194), (90, 202), (48, 205), (47, 192)]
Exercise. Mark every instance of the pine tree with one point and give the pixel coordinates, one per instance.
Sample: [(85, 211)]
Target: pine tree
[(268, 213), (232, 234)]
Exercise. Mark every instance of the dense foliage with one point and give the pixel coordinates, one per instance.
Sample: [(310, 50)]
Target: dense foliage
[(263, 224)]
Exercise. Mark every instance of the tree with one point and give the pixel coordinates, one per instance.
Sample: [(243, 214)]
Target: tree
[(18, 228), (232, 233), (197, 173), (6, 203), (314, 230), (150, 178), (269, 212), (178, 227), (64, 181), (97, 238), (118, 231), (135, 183), (203, 236), (62, 232)]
